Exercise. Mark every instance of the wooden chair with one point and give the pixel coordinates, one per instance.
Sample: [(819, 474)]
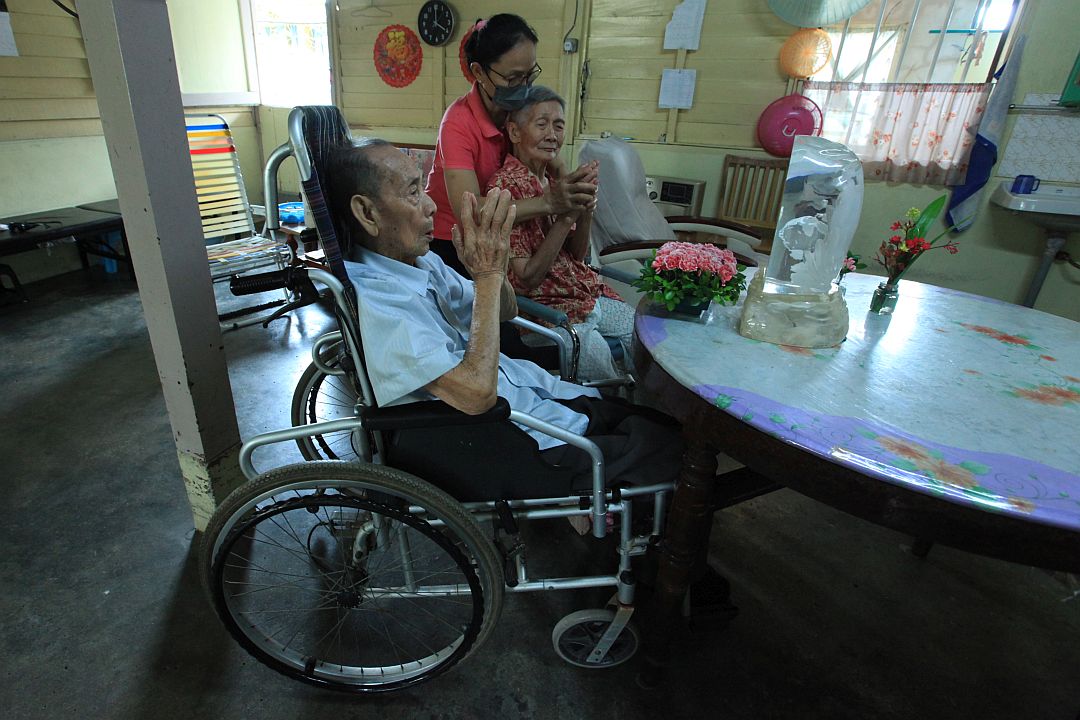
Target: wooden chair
[(750, 193), (233, 246)]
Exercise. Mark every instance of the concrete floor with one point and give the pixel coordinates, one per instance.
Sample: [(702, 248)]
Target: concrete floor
[(103, 616)]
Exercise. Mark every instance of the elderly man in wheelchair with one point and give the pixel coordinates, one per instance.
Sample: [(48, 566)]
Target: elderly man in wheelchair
[(372, 576), (438, 333)]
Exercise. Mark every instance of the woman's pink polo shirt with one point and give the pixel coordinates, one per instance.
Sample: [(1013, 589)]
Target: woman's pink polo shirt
[(468, 140)]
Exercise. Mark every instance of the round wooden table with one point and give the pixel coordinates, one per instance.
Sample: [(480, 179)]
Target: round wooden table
[(956, 419)]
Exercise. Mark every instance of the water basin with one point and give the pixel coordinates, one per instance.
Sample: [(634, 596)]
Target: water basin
[(1055, 207)]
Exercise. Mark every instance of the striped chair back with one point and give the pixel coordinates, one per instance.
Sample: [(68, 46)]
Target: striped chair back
[(219, 185)]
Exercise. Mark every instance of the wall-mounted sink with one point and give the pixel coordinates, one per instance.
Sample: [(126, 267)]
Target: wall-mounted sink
[(1050, 205), (1056, 209)]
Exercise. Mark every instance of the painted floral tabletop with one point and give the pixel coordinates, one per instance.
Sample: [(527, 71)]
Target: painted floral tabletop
[(954, 395)]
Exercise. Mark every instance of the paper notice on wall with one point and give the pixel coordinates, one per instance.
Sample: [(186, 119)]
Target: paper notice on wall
[(7, 37), (677, 89), (684, 30)]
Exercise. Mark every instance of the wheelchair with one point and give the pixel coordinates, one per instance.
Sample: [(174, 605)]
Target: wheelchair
[(372, 567)]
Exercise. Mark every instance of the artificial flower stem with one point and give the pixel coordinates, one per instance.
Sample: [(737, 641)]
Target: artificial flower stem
[(927, 217)]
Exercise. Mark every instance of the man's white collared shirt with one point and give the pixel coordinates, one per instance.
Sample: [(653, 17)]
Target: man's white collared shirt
[(415, 322)]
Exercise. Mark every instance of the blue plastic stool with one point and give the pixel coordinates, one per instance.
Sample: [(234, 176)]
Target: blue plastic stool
[(291, 213)]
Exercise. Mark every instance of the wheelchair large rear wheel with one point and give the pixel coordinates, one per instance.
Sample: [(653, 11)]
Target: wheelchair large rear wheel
[(350, 576), (320, 397)]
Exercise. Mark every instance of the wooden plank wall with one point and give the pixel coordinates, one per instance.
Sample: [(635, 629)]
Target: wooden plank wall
[(737, 67), (371, 104), (737, 71), (46, 91)]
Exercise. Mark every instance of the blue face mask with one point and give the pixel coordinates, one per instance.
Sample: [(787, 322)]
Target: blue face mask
[(511, 98)]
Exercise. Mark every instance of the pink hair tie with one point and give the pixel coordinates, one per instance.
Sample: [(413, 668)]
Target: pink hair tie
[(480, 24)]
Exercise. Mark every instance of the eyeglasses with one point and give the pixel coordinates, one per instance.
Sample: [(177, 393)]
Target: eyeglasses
[(518, 79)]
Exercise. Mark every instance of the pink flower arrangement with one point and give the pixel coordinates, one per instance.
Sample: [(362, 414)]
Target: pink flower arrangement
[(692, 273), (696, 257)]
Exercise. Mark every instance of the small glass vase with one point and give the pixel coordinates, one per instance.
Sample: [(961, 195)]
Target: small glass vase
[(885, 296)]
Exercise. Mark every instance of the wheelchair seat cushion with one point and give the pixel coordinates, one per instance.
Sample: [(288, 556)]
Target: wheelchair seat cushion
[(501, 462), (497, 461)]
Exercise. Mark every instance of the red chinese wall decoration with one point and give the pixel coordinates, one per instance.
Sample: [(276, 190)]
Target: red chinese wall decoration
[(461, 54), (398, 55)]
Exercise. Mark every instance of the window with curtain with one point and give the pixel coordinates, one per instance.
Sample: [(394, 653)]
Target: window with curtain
[(291, 52), (908, 81)]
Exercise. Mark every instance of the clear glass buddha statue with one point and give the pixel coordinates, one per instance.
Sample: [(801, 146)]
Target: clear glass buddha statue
[(796, 299)]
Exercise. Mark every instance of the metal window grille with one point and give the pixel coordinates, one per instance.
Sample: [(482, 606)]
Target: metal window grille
[(922, 41)]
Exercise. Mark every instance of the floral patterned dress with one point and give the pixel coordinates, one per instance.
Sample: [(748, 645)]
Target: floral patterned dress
[(570, 285), (596, 311)]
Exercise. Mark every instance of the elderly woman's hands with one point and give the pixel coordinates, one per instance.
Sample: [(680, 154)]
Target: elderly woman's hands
[(589, 173), (574, 191)]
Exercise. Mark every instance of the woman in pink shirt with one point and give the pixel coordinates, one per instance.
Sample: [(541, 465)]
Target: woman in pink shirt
[(501, 55)]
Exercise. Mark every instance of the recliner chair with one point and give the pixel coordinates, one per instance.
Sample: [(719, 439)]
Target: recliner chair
[(627, 225)]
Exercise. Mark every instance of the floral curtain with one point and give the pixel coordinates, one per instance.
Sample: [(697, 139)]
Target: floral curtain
[(904, 132)]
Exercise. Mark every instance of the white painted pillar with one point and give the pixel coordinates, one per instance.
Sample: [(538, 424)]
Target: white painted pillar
[(130, 49)]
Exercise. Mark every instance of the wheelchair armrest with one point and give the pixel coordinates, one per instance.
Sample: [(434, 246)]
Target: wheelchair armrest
[(559, 340), (640, 248), (543, 312), (714, 225), (429, 413), (756, 241), (568, 349), (618, 275), (569, 352)]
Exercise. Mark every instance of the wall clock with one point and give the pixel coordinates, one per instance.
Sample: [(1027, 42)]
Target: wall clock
[(435, 23)]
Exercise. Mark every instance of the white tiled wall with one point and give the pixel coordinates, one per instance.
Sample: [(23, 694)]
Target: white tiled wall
[(1044, 144)]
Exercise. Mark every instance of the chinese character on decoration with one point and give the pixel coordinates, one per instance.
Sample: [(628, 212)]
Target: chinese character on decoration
[(398, 56)]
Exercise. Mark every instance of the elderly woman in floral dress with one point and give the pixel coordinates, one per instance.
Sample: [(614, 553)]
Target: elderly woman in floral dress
[(547, 253)]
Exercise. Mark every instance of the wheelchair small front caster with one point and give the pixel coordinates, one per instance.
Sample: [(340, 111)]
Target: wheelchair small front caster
[(578, 634)]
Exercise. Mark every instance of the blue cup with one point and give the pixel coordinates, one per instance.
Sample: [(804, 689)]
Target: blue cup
[(1025, 184)]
